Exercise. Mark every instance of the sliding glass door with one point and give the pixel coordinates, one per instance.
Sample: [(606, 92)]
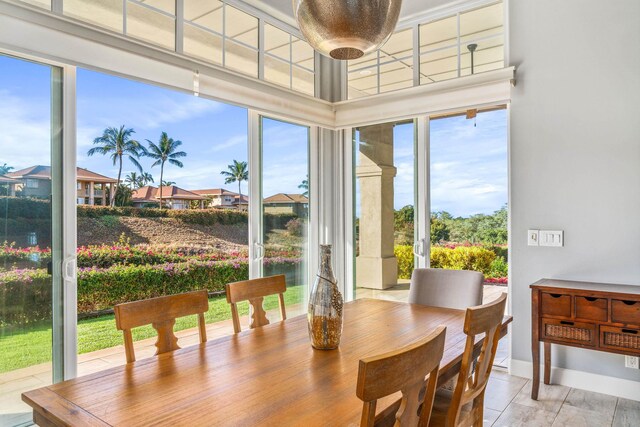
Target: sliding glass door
[(284, 207), (385, 219), (31, 306)]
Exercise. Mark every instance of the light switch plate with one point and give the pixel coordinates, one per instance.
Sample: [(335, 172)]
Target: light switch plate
[(533, 237), (631, 362), (551, 238)]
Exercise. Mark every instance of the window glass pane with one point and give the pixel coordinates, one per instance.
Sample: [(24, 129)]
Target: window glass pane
[(489, 55), (399, 45), (363, 83), (104, 13), (202, 44), (481, 22), (150, 26), (396, 75), (439, 65), (384, 201), (241, 58), (46, 4), (277, 71), (277, 42), (302, 54), (168, 6), (285, 205), (205, 13), (438, 34), (26, 237), (303, 81), (241, 26)]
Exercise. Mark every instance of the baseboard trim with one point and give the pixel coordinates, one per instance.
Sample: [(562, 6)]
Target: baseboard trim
[(613, 386)]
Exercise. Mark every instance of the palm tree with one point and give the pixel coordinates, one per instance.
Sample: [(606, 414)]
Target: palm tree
[(5, 169), (237, 172), (117, 143), (304, 185), (165, 151), (133, 180), (145, 178), (168, 183)]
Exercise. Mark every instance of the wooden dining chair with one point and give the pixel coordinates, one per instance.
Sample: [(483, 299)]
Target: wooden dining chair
[(402, 370), (464, 406), (254, 291), (161, 313)]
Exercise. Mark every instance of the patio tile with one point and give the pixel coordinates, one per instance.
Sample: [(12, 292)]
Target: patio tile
[(92, 366), (519, 415), (627, 413), (550, 397), (570, 416)]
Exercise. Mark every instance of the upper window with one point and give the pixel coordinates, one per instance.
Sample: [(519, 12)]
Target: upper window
[(468, 42), (31, 183), (212, 31), (288, 60)]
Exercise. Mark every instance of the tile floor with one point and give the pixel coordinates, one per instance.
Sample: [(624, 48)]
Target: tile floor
[(507, 401)]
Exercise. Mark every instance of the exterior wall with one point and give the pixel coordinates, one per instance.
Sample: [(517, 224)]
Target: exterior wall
[(575, 155), (298, 209), (42, 191)]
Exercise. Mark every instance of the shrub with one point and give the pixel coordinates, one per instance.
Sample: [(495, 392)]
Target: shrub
[(188, 216), (25, 295), (499, 268), (25, 207), (405, 257), (462, 258), (295, 227)]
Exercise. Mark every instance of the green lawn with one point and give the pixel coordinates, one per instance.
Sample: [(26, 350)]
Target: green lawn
[(33, 347)]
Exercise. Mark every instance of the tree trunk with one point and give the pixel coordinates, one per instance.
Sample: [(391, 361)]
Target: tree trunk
[(161, 173), (239, 193), (115, 190)]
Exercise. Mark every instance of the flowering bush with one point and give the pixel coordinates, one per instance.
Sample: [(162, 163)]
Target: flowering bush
[(24, 257)]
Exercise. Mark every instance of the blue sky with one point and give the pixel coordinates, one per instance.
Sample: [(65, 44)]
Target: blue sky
[(468, 169)]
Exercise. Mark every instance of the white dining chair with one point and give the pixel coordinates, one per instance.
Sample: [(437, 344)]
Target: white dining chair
[(438, 287)]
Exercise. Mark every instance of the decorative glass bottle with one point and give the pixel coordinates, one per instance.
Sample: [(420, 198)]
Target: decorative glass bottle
[(325, 306)]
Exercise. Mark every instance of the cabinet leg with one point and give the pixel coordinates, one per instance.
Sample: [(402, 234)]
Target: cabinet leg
[(535, 381), (547, 363)]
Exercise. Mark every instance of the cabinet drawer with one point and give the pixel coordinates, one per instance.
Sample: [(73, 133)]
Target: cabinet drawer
[(555, 304), (625, 339), (568, 331), (591, 308), (627, 312)]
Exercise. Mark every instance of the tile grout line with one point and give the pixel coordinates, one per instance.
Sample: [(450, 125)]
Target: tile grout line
[(561, 406), (615, 411)]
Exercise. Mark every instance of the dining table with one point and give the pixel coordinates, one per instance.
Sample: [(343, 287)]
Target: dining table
[(269, 376)]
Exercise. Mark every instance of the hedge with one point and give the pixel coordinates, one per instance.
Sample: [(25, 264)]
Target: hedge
[(459, 258), (188, 216), (25, 207), (25, 295)]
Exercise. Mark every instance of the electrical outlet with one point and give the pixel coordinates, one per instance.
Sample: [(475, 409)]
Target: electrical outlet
[(533, 237), (631, 362)]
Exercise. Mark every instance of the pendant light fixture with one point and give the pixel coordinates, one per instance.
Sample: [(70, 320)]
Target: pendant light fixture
[(346, 29)]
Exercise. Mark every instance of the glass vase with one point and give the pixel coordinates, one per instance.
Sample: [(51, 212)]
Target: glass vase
[(325, 306)]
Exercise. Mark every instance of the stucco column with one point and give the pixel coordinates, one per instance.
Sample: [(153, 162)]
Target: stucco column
[(376, 265), (91, 193)]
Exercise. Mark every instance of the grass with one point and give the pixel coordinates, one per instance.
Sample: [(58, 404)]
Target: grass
[(33, 346)]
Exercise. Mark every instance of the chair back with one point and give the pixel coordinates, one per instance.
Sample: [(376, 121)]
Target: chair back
[(402, 370), (485, 319), (254, 291), (161, 313), (437, 287)]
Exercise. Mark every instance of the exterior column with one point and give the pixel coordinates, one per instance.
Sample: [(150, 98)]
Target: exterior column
[(376, 264), (92, 200), (12, 190)]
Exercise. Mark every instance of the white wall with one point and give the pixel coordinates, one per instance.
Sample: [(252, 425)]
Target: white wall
[(575, 154)]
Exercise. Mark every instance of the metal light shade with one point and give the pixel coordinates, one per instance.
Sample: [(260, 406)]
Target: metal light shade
[(346, 29)]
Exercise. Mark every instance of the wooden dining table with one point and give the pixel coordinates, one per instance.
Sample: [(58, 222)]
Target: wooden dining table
[(265, 376)]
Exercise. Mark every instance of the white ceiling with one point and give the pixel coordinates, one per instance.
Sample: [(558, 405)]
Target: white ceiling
[(409, 7)]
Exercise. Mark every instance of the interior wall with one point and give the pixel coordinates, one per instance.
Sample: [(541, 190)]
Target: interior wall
[(575, 155)]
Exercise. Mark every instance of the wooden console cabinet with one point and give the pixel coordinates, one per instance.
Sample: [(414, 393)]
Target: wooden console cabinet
[(595, 316)]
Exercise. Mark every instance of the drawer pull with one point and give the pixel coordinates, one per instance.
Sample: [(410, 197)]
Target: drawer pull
[(590, 299), (630, 331), (555, 295), (629, 302), (566, 322)]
